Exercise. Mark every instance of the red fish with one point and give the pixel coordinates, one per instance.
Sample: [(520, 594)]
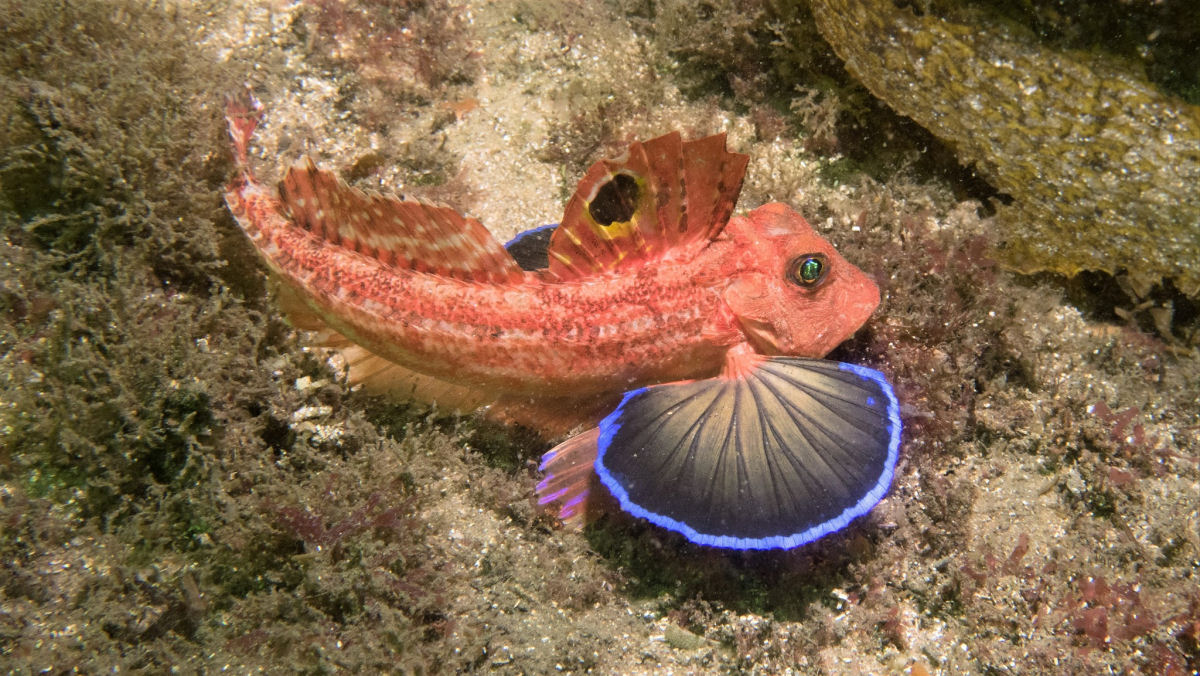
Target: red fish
[(686, 338)]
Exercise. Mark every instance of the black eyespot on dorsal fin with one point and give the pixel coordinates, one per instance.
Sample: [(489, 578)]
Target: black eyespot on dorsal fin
[(615, 201)]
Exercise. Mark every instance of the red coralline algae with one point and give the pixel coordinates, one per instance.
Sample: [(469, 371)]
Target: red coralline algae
[(1101, 613), (1133, 442)]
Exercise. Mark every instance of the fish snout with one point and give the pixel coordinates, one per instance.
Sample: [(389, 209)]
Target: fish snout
[(862, 302), (853, 308)]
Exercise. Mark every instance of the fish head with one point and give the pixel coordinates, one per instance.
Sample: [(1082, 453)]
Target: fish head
[(791, 292)]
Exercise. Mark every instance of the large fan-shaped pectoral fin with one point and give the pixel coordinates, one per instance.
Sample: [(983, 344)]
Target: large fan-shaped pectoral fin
[(771, 457)]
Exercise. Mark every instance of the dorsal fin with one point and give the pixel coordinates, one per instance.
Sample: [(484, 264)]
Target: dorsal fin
[(403, 233), (663, 193)]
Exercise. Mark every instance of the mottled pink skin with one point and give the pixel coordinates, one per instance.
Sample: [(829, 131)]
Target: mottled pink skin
[(541, 343), (777, 316)]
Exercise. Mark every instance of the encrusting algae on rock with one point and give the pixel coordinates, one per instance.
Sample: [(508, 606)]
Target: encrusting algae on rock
[(1103, 168)]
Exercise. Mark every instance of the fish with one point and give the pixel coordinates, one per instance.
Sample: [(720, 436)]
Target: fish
[(680, 344)]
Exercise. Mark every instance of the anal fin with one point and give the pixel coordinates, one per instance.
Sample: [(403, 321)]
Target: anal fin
[(380, 376), (374, 373)]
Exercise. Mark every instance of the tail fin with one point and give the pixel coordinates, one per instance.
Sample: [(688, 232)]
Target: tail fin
[(243, 113)]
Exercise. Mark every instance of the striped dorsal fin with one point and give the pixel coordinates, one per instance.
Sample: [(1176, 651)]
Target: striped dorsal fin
[(661, 194), (402, 233)]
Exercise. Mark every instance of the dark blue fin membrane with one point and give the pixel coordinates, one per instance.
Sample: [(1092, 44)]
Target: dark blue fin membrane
[(792, 451), (529, 248)]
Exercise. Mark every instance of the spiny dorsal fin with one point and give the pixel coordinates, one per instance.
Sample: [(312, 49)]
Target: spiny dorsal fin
[(403, 233), (663, 193)]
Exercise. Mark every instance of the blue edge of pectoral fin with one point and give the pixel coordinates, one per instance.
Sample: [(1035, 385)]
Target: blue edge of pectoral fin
[(530, 248), (842, 432)]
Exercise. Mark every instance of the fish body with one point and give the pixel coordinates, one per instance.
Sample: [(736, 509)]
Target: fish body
[(649, 283), (521, 336)]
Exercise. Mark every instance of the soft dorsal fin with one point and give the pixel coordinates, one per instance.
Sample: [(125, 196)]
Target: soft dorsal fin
[(403, 233), (663, 193)]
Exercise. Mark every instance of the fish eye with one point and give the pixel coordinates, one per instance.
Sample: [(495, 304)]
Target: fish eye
[(808, 271)]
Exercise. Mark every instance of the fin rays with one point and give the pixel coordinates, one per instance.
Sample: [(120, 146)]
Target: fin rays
[(401, 233), (809, 425), (795, 449), (663, 194)]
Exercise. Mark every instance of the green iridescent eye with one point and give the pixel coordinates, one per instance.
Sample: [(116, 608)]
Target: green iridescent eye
[(808, 270)]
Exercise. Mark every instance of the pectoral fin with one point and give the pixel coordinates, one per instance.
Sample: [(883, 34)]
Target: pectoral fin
[(773, 455), (529, 247)]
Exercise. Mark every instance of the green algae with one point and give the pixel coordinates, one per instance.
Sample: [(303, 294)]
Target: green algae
[(149, 457), (1103, 167)]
